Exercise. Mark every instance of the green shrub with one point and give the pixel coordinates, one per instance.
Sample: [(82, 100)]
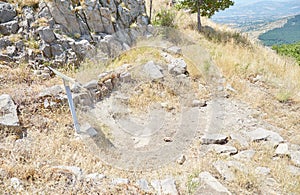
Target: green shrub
[(292, 50), (165, 18)]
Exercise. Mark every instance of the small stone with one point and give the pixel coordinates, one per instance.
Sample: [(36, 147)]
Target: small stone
[(245, 155), (181, 159), (168, 139), (156, 185), (87, 129), (153, 70), (210, 185), (177, 67), (91, 85), (198, 103), (108, 84), (294, 170), (143, 185), (262, 170), (8, 111), (225, 168), (168, 186), (95, 176), (174, 49), (51, 91), (119, 181), (37, 72), (214, 139), (16, 183), (240, 139), (223, 149), (282, 150), (125, 77), (71, 169), (295, 158), (261, 134)]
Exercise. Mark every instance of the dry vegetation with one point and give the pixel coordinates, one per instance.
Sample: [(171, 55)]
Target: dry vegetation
[(51, 141)]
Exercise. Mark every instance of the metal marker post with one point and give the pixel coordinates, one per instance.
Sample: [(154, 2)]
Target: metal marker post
[(66, 81)]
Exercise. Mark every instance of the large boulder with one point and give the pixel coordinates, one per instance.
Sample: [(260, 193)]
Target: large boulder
[(8, 111), (7, 12)]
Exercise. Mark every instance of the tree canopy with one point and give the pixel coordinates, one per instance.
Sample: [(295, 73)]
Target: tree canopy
[(204, 7)]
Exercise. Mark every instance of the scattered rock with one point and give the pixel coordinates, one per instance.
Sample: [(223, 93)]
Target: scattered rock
[(261, 134), (294, 170), (282, 150), (16, 183), (153, 71), (143, 185), (168, 186), (87, 129), (156, 185), (125, 77), (177, 67), (51, 91), (8, 28), (95, 176), (295, 158), (46, 34), (168, 139), (223, 149), (76, 171), (198, 103), (214, 139), (240, 139), (225, 168), (181, 159), (7, 12), (245, 155), (119, 181), (8, 111), (210, 185), (91, 85), (262, 170), (174, 50)]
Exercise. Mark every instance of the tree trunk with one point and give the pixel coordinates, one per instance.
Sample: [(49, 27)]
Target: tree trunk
[(150, 14), (199, 25)]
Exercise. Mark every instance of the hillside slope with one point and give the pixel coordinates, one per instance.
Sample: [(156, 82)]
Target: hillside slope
[(178, 113)]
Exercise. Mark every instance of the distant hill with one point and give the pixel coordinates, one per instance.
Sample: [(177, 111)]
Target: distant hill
[(249, 15), (288, 34)]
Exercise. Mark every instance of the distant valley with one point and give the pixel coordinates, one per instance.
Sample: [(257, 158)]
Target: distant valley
[(259, 17)]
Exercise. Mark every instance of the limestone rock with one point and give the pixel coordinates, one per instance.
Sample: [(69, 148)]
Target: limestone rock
[(245, 155), (8, 111), (261, 134), (16, 183), (76, 171), (95, 176), (181, 159), (51, 91), (214, 139), (199, 103), (152, 70), (174, 50), (295, 158), (7, 12), (46, 34), (87, 129), (91, 85), (119, 181), (262, 170), (210, 185), (294, 170), (282, 150), (143, 185), (223, 149), (8, 28), (225, 168), (168, 186), (240, 139), (177, 67)]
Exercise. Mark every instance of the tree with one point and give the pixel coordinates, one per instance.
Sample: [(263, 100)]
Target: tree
[(204, 7)]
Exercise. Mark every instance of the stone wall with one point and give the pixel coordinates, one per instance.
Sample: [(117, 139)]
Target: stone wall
[(63, 32)]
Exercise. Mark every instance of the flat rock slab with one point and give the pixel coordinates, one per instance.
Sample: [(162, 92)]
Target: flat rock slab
[(153, 71), (261, 134), (8, 111), (282, 150), (166, 186), (210, 185), (214, 139), (295, 158), (223, 149), (245, 155), (225, 168)]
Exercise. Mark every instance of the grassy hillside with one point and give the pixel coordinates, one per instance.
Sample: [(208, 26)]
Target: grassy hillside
[(289, 33), (292, 50)]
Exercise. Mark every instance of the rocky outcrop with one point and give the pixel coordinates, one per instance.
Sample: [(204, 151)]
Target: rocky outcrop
[(8, 111), (64, 32)]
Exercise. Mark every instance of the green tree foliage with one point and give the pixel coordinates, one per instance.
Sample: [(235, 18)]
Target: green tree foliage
[(292, 50), (204, 7)]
